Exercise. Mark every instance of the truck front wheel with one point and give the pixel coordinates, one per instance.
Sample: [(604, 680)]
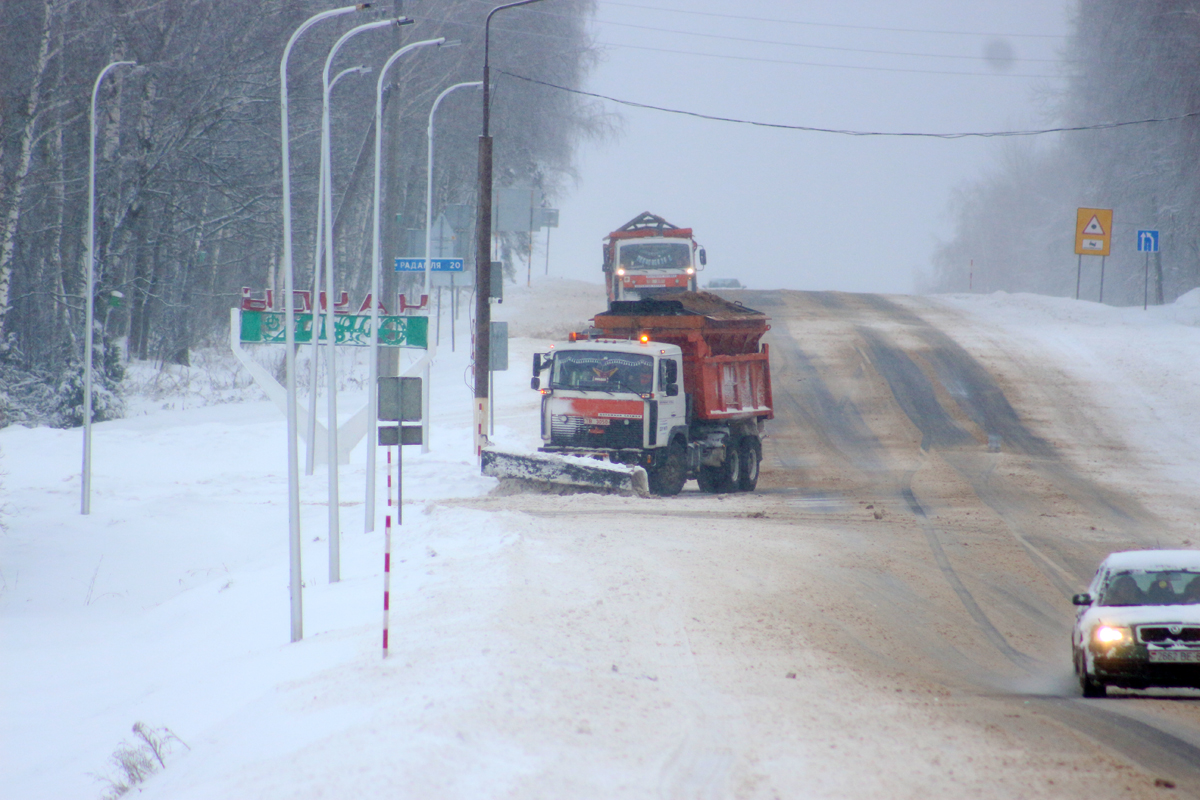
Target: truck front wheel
[(668, 478)]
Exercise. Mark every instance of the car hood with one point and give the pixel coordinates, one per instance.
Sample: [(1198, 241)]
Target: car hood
[(1141, 615)]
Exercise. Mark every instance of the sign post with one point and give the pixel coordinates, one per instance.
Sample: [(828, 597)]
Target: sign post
[(1093, 237), (1147, 242), (400, 400)]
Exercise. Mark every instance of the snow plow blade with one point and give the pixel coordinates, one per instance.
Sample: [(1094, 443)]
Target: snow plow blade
[(585, 473)]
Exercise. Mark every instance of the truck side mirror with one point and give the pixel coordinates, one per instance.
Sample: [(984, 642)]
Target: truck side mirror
[(537, 365), (670, 376), (535, 382), (703, 257), (1084, 599)]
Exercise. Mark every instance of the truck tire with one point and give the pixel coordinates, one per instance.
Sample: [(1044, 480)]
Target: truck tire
[(709, 479), (750, 451), (669, 477), (731, 471)]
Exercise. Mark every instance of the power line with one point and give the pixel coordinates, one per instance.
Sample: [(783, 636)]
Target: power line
[(846, 132), (831, 24)]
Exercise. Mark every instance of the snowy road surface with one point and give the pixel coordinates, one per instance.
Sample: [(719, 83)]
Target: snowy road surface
[(887, 617)]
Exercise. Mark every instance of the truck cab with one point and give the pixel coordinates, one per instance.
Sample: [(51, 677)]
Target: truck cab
[(620, 399), (648, 256)]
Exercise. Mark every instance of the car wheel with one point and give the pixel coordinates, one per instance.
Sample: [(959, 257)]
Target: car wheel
[(1090, 686)]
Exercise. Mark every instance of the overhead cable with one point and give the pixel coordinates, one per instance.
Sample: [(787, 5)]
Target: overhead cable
[(846, 132)]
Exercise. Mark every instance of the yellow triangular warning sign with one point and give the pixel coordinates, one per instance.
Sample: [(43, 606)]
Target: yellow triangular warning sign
[(1093, 228)]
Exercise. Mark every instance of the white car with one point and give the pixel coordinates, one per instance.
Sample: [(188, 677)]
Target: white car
[(1139, 622)]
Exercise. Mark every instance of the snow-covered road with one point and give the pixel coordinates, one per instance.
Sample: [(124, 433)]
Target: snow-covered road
[(816, 639)]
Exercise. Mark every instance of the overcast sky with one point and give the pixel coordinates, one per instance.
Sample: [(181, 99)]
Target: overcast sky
[(790, 209)]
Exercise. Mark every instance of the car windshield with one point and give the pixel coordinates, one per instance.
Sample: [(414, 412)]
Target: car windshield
[(655, 255), (600, 369), (1151, 588)]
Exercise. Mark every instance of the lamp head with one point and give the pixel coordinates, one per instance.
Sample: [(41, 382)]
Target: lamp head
[(450, 43)]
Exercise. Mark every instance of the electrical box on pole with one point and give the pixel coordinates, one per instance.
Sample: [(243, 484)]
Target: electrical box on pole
[(499, 347), (497, 279)]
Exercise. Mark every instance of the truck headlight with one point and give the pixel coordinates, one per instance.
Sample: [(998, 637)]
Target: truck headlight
[(691, 271), (620, 270), (1110, 635)]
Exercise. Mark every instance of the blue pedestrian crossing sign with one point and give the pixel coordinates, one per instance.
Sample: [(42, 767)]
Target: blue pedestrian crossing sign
[(435, 265), (1147, 241)]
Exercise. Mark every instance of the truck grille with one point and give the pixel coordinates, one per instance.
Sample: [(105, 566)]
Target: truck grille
[(1163, 634), (571, 431)]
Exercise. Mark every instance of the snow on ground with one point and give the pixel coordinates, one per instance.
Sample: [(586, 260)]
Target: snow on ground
[(1141, 367), (528, 660)]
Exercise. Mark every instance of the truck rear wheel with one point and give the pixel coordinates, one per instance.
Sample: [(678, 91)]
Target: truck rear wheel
[(750, 451), (668, 478), (709, 479), (731, 470)]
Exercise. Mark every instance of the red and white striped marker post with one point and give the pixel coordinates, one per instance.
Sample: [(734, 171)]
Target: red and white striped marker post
[(387, 554)]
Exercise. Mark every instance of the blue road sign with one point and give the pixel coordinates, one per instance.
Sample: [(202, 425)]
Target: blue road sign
[(1147, 241), (436, 265)]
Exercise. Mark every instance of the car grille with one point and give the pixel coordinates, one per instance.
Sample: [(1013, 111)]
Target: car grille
[(1163, 634), (567, 430)]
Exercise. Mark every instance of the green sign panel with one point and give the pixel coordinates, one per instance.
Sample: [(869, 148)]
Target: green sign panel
[(267, 327)]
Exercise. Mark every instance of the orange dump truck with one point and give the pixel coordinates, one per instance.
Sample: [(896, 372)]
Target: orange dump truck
[(678, 385)]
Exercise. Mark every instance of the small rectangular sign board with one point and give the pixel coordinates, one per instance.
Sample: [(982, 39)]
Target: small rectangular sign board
[(399, 399), (435, 265), (1093, 231), (1147, 241), (392, 435), (267, 327)]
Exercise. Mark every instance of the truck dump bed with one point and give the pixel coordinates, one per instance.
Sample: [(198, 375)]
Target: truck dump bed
[(726, 371)]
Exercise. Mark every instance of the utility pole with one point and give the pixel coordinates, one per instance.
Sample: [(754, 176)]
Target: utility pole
[(483, 248)]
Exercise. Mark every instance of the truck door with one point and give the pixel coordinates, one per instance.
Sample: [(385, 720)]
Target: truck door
[(672, 408)]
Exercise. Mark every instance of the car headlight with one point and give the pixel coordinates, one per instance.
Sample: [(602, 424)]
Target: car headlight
[(1110, 635)]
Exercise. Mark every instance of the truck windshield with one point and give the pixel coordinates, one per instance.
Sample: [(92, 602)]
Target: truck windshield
[(655, 255), (600, 369)]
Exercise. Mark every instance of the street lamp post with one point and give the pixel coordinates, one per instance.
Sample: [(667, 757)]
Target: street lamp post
[(429, 231), (335, 546), (310, 458), (373, 376), (85, 503), (483, 248), (289, 307)]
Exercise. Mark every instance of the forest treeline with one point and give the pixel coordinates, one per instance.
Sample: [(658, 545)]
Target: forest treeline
[(188, 181), (1015, 227)]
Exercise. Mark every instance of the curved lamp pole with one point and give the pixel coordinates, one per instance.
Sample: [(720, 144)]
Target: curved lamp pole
[(335, 547), (289, 306), (373, 378), (483, 249), (310, 456), (85, 503), (429, 233)]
